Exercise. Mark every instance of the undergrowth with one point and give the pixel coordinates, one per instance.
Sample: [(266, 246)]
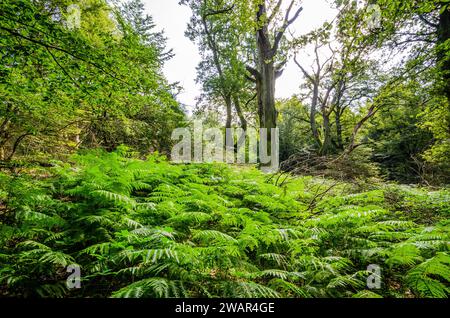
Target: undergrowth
[(154, 229)]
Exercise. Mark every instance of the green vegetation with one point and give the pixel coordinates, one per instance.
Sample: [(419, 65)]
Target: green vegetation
[(153, 229)]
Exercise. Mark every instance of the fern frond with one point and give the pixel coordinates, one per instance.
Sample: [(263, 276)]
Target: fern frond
[(366, 294), (151, 287), (114, 197), (253, 290)]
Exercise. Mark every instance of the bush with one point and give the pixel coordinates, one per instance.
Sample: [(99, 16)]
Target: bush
[(153, 229)]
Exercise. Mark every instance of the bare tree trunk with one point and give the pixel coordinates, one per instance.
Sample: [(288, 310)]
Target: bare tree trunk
[(327, 146), (315, 82), (267, 73), (269, 115), (216, 58), (259, 100)]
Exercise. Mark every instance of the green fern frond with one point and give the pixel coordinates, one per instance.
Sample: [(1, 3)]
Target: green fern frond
[(366, 294), (57, 258), (190, 218), (345, 281), (253, 290), (279, 259), (424, 278), (114, 197), (288, 288)]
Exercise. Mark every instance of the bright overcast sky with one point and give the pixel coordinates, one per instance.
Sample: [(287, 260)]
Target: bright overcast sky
[(173, 19)]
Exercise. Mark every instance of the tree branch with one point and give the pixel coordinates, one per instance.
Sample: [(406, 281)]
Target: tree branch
[(287, 22), (254, 73), (427, 22), (216, 12), (51, 46), (275, 11)]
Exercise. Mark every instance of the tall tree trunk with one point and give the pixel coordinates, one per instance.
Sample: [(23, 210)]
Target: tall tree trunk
[(259, 100), (229, 111), (267, 52), (444, 58), (267, 73), (268, 115), (327, 145), (315, 81), (313, 113), (216, 58), (340, 142)]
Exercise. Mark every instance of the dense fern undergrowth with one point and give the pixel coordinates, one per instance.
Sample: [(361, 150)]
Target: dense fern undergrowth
[(153, 229)]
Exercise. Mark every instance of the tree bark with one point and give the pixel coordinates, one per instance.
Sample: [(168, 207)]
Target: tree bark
[(327, 145), (339, 140), (228, 104), (313, 113), (266, 54), (237, 106), (352, 146), (270, 114)]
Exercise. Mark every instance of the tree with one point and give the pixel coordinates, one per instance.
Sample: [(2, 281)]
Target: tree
[(419, 31), (261, 28), (342, 78), (430, 22), (397, 140), (221, 71)]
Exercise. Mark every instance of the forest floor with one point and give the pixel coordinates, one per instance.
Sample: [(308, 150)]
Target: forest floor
[(153, 229)]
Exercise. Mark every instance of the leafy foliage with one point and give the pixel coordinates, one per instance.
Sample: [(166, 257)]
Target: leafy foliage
[(95, 84)]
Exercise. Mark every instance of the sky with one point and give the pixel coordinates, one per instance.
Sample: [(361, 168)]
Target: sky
[(172, 18)]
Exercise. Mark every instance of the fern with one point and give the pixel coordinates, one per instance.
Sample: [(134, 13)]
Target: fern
[(152, 287)]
